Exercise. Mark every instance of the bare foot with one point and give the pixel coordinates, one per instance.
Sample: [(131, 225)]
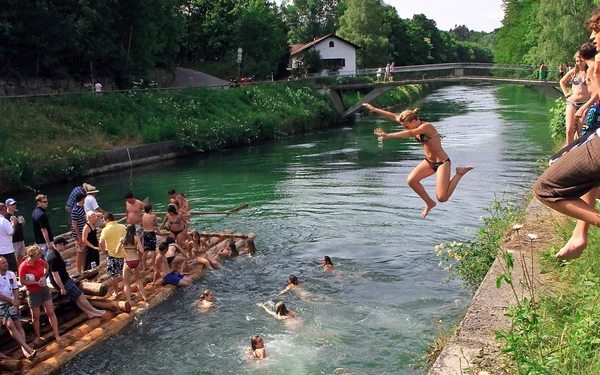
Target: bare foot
[(461, 171), (573, 248), (427, 209)]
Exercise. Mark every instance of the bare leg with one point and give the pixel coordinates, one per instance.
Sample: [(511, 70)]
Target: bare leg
[(421, 171), (213, 261), (35, 319), (576, 208), (49, 308), (85, 306), (204, 262), (80, 260), (18, 335), (578, 241), (126, 281), (446, 186), (139, 283), (571, 123)]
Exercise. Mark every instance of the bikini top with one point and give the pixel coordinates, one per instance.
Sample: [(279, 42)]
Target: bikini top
[(577, 81), (424, 138)]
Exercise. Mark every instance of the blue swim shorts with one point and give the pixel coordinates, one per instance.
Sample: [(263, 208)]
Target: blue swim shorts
[(172, 278)]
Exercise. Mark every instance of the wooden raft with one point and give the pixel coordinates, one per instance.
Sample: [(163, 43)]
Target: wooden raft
[(79, 333)]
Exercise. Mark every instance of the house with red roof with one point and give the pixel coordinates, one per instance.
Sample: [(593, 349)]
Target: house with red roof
[(338, 54)]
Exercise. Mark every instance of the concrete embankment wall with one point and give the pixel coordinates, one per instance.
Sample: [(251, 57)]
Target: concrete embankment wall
[(474, 347)]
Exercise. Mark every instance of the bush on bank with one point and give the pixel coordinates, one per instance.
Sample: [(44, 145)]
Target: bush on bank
[(399, 96), (56, 138)]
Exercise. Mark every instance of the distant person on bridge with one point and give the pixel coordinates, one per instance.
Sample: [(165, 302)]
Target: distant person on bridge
[(436, 159), (543, 72), (576, 97)]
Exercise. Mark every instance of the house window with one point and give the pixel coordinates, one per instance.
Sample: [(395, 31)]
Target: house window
[(331, 44), (334, 64)]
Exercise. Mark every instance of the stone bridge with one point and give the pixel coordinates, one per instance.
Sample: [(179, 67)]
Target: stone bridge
[(459, 73)]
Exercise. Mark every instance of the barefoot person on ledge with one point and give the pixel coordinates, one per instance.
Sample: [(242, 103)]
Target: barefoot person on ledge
[(436, 159), (572, 182)]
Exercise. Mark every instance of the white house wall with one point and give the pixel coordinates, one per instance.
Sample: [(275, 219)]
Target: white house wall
[(341, 50)]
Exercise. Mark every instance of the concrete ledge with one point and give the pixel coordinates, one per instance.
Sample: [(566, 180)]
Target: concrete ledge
[(474, 345), (126, 157)]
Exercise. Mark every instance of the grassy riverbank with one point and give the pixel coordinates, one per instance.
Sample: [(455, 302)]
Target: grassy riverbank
[(52, 138)]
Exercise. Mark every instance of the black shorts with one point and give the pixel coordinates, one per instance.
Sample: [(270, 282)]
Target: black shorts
[(149, 239)]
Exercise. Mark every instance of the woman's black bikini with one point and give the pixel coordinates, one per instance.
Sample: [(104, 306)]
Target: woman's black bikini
[(424, 138)]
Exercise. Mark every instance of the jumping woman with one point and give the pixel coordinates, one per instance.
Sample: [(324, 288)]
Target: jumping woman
[(436, 159)]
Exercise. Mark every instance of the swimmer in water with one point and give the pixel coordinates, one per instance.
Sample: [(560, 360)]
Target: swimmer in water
[(281, 312), (436, 159), (257, 349), (206, 300), (326, 263), (250, 248), (292, 284)]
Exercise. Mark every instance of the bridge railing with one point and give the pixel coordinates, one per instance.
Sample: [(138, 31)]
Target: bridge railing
[(437, 70)]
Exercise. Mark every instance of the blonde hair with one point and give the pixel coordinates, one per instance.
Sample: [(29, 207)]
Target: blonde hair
[(39, 197), (34, 250), (593, 24), (409, 115)]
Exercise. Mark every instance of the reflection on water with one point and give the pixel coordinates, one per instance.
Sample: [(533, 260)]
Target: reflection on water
[(332, 193)]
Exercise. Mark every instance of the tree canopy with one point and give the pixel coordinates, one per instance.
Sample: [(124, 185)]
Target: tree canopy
[(125, 40)]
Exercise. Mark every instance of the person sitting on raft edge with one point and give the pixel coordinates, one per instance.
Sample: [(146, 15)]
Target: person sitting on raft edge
[(162, 270)]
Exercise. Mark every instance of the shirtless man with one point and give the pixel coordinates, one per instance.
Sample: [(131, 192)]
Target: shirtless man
[(134, 209), (162, 270), (149, 224), (578, 241)]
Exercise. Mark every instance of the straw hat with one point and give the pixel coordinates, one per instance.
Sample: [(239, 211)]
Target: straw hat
[(90, 189)]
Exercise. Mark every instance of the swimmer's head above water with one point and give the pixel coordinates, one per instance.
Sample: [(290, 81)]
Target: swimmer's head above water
[(292, 279)]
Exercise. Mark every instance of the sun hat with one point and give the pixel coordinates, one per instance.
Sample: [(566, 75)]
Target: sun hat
[(90, 189)]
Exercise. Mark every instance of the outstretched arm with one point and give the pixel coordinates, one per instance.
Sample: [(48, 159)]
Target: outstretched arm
[(388, 115), (564, 80), (267, 309), (402, 134)]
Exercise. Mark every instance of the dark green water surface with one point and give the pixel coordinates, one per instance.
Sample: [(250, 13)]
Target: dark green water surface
[(333, 193)]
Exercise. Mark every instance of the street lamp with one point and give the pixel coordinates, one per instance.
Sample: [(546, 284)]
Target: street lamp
[(239, 61)]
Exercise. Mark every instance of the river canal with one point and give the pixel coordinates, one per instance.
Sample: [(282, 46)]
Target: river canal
[(333, 193)]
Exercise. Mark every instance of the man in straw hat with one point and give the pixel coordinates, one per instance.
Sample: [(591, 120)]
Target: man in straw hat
[(90, 203)]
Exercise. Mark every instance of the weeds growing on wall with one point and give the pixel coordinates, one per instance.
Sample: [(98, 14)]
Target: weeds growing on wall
[(558, 332), (558, 122), (470, 260), (51, 138), (399, 96)]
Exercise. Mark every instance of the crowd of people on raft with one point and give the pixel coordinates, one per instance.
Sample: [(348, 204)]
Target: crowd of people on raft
[(128, 249)]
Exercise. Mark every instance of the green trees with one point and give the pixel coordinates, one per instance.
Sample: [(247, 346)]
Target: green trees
[(125, 40), (73, 38), (542, 30), (361, 25)]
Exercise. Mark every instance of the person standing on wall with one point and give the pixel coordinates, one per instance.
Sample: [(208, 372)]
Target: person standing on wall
[(6, 232), (18, 239), (41, 225)]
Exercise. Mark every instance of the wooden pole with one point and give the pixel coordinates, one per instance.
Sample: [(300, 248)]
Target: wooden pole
[(229, 212)]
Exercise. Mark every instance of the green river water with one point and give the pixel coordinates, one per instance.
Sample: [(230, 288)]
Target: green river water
[(335, 193)]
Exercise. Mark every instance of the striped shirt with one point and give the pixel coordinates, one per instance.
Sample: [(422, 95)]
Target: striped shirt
[(71, 201), (78, 214)]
